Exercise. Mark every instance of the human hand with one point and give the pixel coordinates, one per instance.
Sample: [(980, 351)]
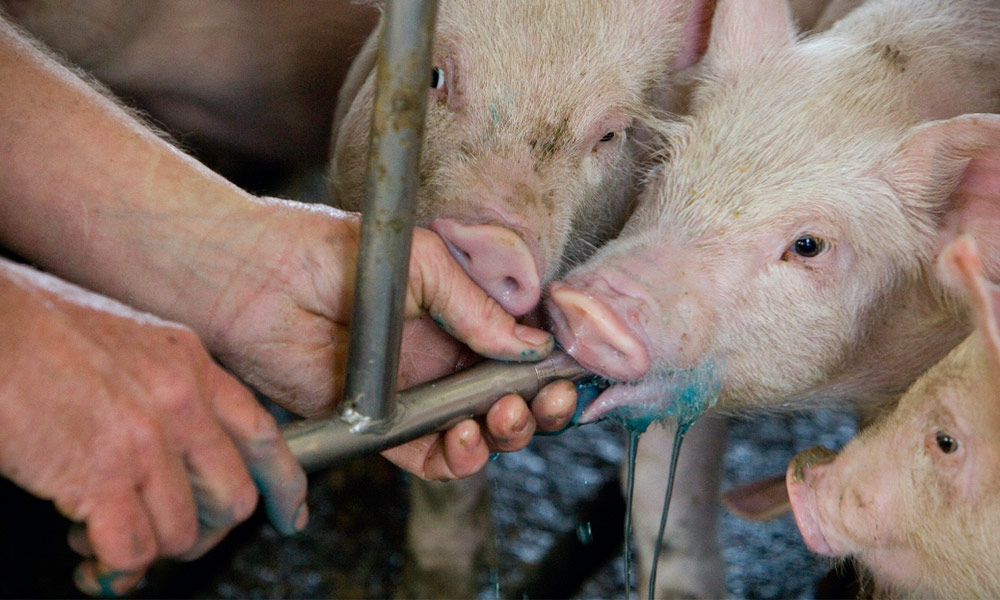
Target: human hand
[(266, 284), (280, 314), (129, 427)]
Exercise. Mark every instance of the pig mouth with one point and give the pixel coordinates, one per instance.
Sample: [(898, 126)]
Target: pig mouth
[(801, 495), (682, 394)]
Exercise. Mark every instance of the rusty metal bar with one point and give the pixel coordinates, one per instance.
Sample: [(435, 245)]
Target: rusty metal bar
[(403, 76), (434, 406)]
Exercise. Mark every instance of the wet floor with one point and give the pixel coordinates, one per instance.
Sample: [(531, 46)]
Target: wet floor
[(557, 508)]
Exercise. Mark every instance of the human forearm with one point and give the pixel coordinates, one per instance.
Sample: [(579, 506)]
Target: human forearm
[(89, 192)]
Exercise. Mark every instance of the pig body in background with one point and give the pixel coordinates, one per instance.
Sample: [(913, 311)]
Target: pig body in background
[(527, 165), (787, 241), (916, 497), (259, 79)]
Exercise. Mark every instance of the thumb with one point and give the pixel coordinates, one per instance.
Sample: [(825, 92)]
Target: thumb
[(439, 286)]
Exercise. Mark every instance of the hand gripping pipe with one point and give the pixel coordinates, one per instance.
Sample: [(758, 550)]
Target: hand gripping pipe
[(320, 443)]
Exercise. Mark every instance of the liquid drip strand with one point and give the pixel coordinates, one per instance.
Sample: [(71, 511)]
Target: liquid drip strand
[(686, 396), (633, 444), (678, 439)]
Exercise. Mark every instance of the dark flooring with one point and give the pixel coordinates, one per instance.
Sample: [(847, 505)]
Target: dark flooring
[(558, 521)]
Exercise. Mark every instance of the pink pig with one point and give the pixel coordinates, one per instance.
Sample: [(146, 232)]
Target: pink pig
[(528, 151), (916, 497), (787, 242), (528, 163)]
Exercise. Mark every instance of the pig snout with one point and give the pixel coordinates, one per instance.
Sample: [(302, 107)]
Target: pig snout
[(802, 479), (587, 323), (496, 258)]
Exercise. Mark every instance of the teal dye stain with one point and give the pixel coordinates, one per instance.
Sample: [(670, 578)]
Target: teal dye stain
[(586, 391), (284, 523), (530, 354), (687, 394), (440, 322)]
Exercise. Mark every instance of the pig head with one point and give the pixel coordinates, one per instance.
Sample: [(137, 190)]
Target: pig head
[(916, 497), (787, 240), (527, 154)]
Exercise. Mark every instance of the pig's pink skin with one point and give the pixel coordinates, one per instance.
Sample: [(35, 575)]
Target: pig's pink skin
[(619, 396), (532, 128), (804, 517), (923, 519), (840, 157), (497, 259), (613, 319), (610, 345), (819, 499)]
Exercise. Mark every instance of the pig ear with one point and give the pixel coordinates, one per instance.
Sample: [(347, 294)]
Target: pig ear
[(950, 170), (694, 36), (759, 500), (959, 267), (742, 29)]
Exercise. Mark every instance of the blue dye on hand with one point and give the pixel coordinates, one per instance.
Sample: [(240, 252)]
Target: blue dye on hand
[(440, 322)]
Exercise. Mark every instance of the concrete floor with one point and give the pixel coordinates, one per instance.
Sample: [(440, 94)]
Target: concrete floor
[(353, 547)]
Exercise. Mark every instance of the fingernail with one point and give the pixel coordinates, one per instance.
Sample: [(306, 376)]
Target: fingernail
[(94, 581), (470, 439), (530, 335), (301, 518), (550, 422), (521, 425)]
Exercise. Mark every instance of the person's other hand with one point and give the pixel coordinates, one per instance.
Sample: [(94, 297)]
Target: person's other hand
[(129, 427)]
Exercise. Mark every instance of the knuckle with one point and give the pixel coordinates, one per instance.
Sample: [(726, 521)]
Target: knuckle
[(264, 432), (175, 392), (186, 339), (181, 538), (146, 438), (491, 311), (242, 502)]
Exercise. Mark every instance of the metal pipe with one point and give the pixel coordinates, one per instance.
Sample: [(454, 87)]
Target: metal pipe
[(403, 75), (434, 406)]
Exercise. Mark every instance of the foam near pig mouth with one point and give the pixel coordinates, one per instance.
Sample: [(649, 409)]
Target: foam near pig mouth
[(682, 395)]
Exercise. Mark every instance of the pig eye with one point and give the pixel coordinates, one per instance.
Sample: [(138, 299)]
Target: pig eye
[(808, 246), (945, 442), (437, 78), (608, 136)]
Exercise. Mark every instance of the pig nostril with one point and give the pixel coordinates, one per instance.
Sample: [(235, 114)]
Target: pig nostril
[(511, 284)]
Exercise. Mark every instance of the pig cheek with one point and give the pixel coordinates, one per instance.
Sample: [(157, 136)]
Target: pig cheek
[(351, 149), (781, 338), (869, 504)]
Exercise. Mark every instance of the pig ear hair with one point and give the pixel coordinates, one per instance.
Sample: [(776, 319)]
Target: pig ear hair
[(949, 173), (960, 268), (760, 500), (742, 29), (694, 36)]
